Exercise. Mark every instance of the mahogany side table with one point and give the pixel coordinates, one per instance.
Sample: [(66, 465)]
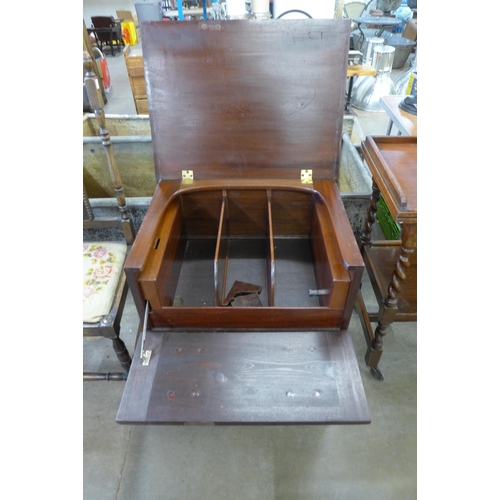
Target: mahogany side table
[(391, 264)]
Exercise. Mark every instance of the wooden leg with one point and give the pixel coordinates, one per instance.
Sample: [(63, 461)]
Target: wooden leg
[(349, 95), (122, 353), (123, 356), (88, 376), (366, 235), (388, 311), (372, 357)]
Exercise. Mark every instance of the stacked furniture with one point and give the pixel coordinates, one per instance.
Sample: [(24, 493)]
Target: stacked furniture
[(135, 69)]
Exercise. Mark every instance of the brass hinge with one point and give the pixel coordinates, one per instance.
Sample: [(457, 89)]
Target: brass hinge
[(187, 176), (306, 176)]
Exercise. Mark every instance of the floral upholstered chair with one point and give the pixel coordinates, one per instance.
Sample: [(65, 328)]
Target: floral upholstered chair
[(104, 282), (104, 294)]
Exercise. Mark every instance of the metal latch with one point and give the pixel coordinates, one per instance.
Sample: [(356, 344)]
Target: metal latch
[(145, 355), (322, 291), (187, 176), (306, 176)]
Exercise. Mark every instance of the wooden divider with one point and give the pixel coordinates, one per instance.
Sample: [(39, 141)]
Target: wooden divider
[(221, 258)]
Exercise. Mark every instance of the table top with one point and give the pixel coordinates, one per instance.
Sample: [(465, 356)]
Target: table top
[(392, 161), (378, 20), (406, 122), (361, 70)]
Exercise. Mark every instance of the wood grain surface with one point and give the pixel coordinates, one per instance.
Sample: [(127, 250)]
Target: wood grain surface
[(246, 378)]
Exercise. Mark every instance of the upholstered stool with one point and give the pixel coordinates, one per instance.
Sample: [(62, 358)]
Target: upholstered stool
[(102, 267)]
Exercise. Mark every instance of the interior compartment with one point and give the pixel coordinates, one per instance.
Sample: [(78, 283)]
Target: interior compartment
[(280, 242)]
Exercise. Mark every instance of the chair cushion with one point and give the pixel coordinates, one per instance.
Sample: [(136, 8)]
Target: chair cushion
[(102, 267)]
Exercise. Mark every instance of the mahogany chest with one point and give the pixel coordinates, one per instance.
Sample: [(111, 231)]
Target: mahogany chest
[(245, 269)]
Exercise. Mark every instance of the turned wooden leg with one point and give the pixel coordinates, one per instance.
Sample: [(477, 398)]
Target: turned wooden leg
[(366, 235), (122, 353), (123, 356), (388, 311)]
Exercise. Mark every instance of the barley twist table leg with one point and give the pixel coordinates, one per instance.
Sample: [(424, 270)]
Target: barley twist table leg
[(391, 300), (389, 309), (366, 235)]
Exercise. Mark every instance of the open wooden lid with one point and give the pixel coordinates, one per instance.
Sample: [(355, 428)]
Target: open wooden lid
[(246, 99)]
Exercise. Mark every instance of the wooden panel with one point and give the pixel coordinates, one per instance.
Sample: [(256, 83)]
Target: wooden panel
[(140, 92), (382, 262), (139, 81), (135, 63), (330, 271), (142, 106), (245, 378), (393, 164), (159, 278), (136, 72), (291, 213), (254, 99), (302, 318), (247, 213), (201, 212)]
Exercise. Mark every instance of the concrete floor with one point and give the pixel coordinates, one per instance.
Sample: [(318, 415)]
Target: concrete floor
[(376, 461)]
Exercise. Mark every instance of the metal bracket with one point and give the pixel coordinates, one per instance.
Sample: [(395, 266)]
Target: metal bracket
[(187, 176), (322, 291), (145, 355), (306, 176)]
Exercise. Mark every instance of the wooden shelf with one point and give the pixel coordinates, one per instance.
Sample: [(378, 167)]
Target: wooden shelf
[(380, 264)]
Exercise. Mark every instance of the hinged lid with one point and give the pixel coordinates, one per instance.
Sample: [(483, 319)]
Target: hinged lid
[(246, 99)]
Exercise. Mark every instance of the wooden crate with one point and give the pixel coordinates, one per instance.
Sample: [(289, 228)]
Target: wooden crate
[(135, 68)]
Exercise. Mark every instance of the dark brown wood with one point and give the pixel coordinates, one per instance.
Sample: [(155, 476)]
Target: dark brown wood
[(366, 235), (391, 266), (381, 263), (195, 214), (90, 376), (262, 100), (393, 165), (108, 32), (241, 289), (246, 378), (245, 106)]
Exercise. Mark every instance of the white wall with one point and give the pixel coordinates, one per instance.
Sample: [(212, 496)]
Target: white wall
[(105, 8)]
